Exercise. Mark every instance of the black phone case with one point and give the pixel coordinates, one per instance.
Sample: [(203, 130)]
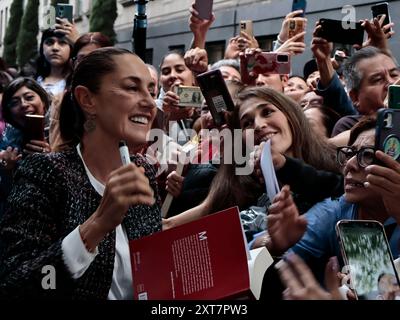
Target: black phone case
[(204, 8), (387, 133), (333, 31), (64, 11), (216, 94)]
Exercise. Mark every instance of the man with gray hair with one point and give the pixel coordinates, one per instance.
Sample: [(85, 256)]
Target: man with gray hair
[(230, 69), (368, 73)]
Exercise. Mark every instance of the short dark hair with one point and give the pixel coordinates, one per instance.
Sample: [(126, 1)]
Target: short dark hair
[(13, 87), (43, 66), (309, 68), (88, 73)]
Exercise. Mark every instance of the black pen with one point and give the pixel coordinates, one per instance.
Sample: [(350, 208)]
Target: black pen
[(124, 152)]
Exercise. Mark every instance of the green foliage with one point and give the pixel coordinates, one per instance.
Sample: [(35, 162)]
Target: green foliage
[(10, 38), (102, 18), (27, 37)]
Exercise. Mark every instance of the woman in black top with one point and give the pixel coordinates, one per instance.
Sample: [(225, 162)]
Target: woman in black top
[(74, 212)]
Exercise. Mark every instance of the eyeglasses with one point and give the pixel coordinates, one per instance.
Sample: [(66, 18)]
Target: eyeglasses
[(365, 156)]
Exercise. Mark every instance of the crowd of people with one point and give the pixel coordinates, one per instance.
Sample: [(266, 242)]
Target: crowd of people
[(67, 200)]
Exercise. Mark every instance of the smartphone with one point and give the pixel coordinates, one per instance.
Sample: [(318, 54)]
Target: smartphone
[(333, 31), (379, 9), (204, 8), (34, 128), (216, 94), (367, 256), (387, 133), (394, 97), (247, 26), (264, 63), (296, 26), (64, 11), (299, 5)]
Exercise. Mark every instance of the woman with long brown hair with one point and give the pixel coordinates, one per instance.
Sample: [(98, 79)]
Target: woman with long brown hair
[(301, 159)]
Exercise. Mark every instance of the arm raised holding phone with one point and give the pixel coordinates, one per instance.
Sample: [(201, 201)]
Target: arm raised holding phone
[(199, 25)]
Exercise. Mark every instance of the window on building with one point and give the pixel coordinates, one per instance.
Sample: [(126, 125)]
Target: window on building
[(180, 48), (266, 42), (215, 51)]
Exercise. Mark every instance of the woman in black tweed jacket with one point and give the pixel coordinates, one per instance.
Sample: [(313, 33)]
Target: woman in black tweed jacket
[(74, 212)]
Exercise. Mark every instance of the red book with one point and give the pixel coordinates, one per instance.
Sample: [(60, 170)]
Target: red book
[(205, 259)]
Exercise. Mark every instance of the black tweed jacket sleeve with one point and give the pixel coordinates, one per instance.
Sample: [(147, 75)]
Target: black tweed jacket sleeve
[(51, 196)]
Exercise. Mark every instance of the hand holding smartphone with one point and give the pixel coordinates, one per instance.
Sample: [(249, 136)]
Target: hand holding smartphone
[(296, 26), (216, 94), (64, 11), (381, 9), (367, 254), (247, 27)]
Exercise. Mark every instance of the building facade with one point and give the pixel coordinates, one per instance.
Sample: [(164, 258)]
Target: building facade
[(168, 22)]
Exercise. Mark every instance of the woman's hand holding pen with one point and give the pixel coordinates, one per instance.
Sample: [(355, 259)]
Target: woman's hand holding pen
[(126, 186)]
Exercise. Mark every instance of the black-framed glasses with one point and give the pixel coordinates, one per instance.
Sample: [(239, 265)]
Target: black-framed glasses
[(365, 155)]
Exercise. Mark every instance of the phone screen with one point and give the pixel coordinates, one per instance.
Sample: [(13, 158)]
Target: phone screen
[(380, 9), (367, 253), (64, 11)]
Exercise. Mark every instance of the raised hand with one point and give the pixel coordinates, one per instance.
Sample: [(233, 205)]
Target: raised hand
[(196, 60), (35, 146), (199, 27), (67, 28), (301, 284), (285, 225), (293, 46), (174, 184), (283, 34), (9, 158), (385, 180)]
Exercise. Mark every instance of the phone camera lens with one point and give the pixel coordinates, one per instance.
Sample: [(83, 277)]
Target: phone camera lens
[(282, 58)]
